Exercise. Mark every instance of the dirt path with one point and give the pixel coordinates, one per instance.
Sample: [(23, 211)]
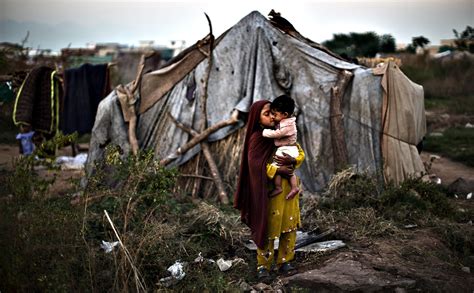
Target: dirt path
[(448, 170)]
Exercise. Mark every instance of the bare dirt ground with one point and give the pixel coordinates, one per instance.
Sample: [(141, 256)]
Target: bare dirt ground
[(65, 179)]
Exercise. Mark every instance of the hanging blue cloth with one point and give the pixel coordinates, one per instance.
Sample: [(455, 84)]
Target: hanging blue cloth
[(26, 142)]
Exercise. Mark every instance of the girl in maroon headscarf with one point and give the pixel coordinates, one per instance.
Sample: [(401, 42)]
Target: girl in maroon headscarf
[(268, 218)]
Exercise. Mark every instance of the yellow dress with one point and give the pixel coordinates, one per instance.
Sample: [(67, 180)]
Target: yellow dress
[(283, 221)]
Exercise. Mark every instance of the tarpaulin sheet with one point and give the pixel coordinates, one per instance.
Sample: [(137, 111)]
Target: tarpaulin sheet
[(404, 124)]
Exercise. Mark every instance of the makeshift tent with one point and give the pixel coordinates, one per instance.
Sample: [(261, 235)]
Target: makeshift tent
[(256, 60)]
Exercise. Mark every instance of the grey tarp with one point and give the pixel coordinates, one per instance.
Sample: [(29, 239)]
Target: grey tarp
[(253, 61)]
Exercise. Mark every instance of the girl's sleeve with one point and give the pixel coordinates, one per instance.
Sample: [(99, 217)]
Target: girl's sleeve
[(271, 170), (299, 159), (277, 133)]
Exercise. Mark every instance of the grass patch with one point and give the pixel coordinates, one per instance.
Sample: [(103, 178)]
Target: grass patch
[(455, 143)]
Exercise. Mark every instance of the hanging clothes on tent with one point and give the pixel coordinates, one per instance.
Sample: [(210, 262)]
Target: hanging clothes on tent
[(37, 103), (84, 88)]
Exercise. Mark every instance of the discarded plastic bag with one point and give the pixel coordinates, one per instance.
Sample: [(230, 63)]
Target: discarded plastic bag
[(72, 163), (177, 274), (224, 265), (108, 246)]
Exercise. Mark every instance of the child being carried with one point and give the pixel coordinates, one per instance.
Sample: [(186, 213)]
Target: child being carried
[(285, 136)]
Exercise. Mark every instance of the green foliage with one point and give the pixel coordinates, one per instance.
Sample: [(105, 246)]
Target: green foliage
[(419, 42), (387, 44), (465, 39), (360, 44), (455, 143), (445, 48)]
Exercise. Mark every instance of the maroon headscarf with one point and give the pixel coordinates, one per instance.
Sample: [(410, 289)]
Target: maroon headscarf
[(251, 197)]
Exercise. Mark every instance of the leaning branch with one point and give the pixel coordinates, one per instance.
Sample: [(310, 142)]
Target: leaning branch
[(199, 138), (336, 121)]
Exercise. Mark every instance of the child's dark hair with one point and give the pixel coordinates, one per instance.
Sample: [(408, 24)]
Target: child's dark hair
[(283, 104)]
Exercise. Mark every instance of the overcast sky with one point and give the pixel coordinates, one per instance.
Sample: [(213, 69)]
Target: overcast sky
[(55, 24)]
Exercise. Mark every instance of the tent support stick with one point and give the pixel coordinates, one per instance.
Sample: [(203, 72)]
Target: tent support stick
[(339, 148), (222, 194), (204, 130)]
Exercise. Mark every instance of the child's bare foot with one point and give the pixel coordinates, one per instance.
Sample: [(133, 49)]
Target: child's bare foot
[(293, 193), (276, 191)]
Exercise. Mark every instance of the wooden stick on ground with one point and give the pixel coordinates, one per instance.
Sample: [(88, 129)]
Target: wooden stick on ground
[(336, 121)]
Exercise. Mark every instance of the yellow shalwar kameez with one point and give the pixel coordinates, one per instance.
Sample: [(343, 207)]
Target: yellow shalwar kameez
[(283, 221)]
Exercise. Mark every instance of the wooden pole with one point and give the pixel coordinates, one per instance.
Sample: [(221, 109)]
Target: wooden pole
[(336, 121)]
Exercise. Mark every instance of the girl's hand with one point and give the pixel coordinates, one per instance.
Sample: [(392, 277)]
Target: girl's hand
[(285, 160)]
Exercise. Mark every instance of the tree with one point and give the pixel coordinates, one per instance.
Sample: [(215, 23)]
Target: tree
[(387, 44), (465, 39), (420, 42), (360, 44)]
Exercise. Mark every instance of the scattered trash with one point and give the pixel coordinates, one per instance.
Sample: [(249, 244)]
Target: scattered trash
[(466, 269), (244, 286), (323, 246), (470, 222), (469, 195), (456, 196), (177, 270), (108, 246), (410, 226), (461, 186), (469, 125), (26, 141), (177, 274), (224, 265), (262, 287), (302, 239), (72, 163), (434, 157), (200, 259)]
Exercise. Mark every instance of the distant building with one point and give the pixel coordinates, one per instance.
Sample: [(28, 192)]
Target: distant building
[(448, 42), (12, 50), (400, 46)]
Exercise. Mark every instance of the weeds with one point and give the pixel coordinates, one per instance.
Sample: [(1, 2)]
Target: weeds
[(157, 227)]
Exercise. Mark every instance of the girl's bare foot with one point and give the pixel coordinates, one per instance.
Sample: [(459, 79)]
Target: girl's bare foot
[(293, 193)]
